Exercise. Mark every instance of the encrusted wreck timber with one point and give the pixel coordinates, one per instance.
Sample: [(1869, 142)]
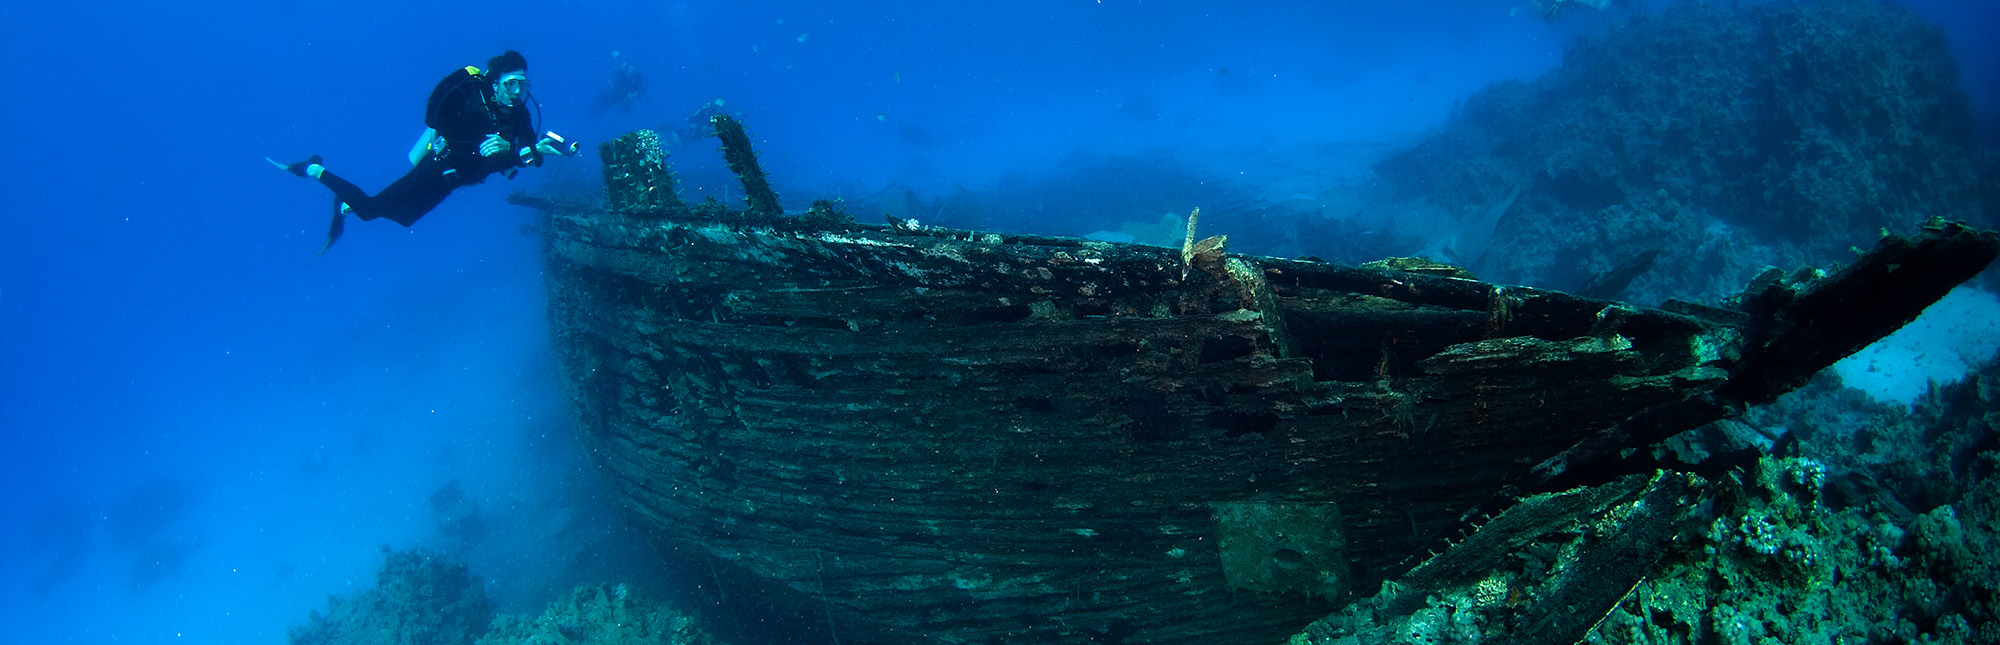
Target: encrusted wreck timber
[(935, 435), (743, 161), (1544, 571), (638, 181), (1803, 325)]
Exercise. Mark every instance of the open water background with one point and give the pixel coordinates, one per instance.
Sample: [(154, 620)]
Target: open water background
[(202, 435)]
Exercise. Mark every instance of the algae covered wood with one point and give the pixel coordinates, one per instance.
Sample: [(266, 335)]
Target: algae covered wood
[(929, 435)]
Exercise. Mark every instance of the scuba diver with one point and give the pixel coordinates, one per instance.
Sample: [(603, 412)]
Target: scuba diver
[(477, 124), (627, 86)]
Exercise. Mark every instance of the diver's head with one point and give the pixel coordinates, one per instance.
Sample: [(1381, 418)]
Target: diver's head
[(508, 88), (509, 72)]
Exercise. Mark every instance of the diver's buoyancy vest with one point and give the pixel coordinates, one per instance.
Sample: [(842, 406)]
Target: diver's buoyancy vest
[(448, 95)]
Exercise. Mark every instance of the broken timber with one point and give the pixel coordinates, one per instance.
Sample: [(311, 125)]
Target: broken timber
[(930, 435)]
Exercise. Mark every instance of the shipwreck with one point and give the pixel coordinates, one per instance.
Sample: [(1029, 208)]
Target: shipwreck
[(923, 435)]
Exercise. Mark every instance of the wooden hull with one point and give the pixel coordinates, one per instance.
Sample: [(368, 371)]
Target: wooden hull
[(921, 435), (944, 437)]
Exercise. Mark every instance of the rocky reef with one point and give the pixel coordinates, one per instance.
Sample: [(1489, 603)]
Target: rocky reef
[(1724, 136), (600, 615), (425, 598), (420, 598), (1879, 525)]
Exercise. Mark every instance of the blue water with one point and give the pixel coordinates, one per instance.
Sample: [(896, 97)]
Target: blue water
[(202, 435)]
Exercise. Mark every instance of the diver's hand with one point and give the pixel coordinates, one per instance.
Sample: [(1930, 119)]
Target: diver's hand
[(553, 144), (493, 145)]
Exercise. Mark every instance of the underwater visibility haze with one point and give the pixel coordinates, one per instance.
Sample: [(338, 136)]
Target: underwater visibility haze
[(206, 431)]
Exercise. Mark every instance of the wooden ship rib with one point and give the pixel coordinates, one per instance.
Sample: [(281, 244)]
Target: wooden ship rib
[(920, 435)]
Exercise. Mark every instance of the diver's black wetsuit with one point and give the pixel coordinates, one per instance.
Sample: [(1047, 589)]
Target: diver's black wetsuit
[(464, 112)]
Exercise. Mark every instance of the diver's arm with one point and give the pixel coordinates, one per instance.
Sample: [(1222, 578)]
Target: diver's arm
[(423, 148)]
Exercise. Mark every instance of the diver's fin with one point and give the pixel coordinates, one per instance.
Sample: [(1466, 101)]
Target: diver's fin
[(299, 168), (333, 229)]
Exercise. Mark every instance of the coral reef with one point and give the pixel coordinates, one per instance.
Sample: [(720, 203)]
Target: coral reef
[(423, 598), (1882, 526), (1726, 136), (420, 598), (600, 615)]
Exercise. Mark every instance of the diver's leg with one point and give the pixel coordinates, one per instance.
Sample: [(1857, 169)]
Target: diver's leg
[(346, 197), (344, 190), (414, 195)]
